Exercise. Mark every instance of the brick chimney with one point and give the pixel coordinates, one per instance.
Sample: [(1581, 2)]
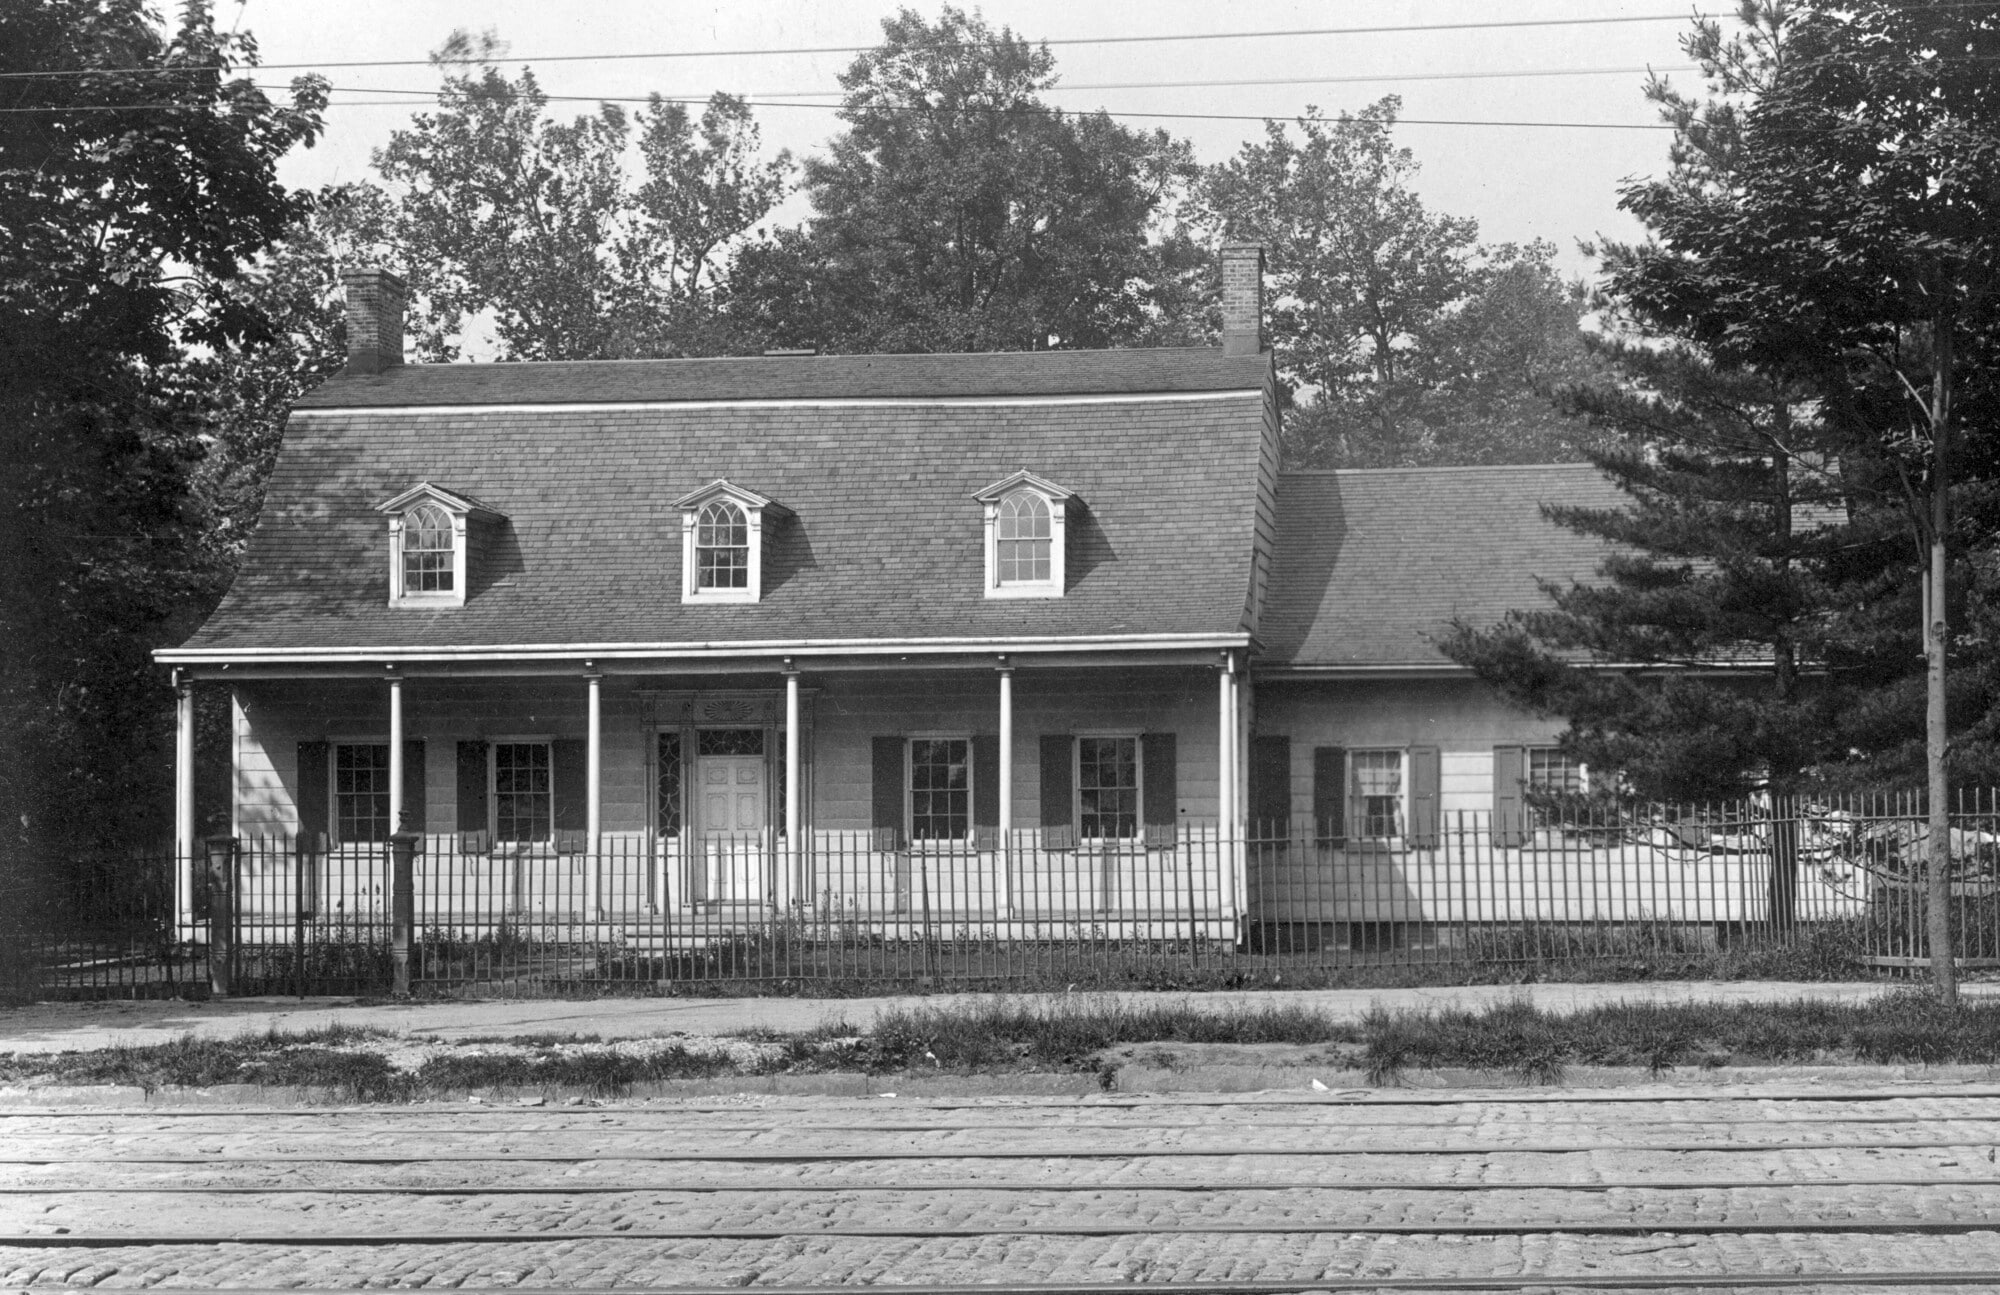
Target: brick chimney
[(374, 319), (1242, 298)]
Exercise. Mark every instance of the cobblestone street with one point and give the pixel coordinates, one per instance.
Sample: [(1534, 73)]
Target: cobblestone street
[(1889, 1188)]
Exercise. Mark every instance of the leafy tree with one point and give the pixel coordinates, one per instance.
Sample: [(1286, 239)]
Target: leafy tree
[(1406, 342), (495, 211), (958, 212), (1830, 224), (130, 199)]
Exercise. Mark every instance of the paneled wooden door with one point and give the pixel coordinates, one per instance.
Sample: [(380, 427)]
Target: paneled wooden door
[(735, 817)]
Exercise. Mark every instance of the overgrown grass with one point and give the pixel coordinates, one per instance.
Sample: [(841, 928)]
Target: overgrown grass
[(1077, 1035)]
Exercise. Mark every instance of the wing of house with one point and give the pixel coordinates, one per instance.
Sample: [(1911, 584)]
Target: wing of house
[(1037, 635)]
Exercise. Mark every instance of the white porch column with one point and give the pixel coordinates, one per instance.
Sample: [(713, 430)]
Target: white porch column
[(593, 798), (1226, 738), (395, 752), (184, 827), (1005, 774), (794, 851)]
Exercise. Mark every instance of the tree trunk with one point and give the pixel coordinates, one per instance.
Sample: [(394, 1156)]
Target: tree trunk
[(1784, 864), (1937, 871)]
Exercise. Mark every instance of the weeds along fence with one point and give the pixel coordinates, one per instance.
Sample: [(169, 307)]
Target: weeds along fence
[(1560, 883)]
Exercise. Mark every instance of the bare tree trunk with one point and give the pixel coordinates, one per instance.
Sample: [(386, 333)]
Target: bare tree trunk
[(1944, 974)]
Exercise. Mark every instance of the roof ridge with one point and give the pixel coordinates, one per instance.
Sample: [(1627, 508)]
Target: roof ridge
[(1437, 467)]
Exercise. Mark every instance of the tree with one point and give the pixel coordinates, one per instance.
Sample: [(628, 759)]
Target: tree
[(1830, 225), (130, 199), (1406, 342), (495, 211), (958, 212)]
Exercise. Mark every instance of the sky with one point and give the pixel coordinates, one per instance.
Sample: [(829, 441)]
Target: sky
[(1518, 182)]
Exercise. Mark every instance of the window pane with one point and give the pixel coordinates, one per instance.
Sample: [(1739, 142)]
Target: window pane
[(361, 792), (730, 741), (522, 791), (1550, 770), (940, 789), (1021, 539), (668, 789), (427, 551), (1378, 792), (1107, 783), (722, 547)]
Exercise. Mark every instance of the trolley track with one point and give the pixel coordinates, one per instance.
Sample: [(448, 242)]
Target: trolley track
[(1899, 1226)]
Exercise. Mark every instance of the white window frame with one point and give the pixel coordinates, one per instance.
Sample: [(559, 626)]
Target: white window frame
[(1057, 500), (910, 792), (755, 507), (1359, 818), (493, 745), (1138, 788), (1528, 767), (333, 745), (459, 509)]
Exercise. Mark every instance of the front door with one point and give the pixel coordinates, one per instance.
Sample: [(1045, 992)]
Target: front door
[(735, 807)]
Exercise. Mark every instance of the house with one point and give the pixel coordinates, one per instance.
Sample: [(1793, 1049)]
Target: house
[(1036, 645)]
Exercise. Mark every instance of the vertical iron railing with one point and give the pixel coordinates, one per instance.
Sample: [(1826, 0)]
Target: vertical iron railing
[(1576, 883)]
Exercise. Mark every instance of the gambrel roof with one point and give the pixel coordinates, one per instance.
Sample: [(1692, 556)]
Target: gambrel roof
[(876, 457)]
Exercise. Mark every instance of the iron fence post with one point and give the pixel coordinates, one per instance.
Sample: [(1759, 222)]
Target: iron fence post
[(221, 869), (403, 848)]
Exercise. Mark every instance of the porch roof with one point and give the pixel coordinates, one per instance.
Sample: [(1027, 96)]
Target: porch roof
[(1371, 566), (878, 457)]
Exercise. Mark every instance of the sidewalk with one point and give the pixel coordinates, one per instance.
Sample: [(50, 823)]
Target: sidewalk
[(58, 1027)]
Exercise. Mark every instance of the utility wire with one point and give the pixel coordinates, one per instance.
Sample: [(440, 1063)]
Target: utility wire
[(1293, 33), (1161, 116)]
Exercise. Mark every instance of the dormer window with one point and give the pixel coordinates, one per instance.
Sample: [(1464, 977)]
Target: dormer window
[(429, 545), (430, 551), (721, 547), (722, 543), (1025, 524)]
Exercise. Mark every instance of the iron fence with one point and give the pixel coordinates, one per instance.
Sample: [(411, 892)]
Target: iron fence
[(1561, 884)]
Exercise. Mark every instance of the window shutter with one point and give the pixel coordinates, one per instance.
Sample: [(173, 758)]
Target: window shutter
[(1160, 781), (1270, 787), (472, 829), (986, 791), (886, 791), (415, 810), (1330, 795), (569, 779), (1424, 776), (1510, 815), (1058, 792), (314, 760)]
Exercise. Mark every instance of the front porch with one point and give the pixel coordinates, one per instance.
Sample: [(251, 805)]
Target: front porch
[(988, 801)]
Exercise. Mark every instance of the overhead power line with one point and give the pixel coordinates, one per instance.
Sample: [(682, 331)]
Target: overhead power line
[(1179, 37), (1150, 116)]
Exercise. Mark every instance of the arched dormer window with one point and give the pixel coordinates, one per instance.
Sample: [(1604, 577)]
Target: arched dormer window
[(429, 551), (1026, 520), (722, 543), (1021, 534), (430, 541), (721, 547)]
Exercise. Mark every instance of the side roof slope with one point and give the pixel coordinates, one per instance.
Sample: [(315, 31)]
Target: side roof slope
[(1371, 566)]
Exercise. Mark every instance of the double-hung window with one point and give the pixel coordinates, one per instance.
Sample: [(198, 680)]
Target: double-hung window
[(1376, 793), (523, 792), (1107, 788), (361, 792), (940, 789), (1553, 773)]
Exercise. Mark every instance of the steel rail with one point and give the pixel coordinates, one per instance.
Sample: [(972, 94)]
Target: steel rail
[(1830, 1283), (1002, 1185), (227, 1126), (1352, 1098), (753, 1156), (1637, 1227)]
